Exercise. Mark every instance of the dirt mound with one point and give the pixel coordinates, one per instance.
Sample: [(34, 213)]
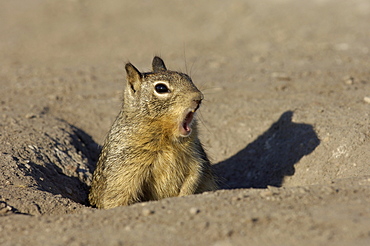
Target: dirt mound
[(44, 156)]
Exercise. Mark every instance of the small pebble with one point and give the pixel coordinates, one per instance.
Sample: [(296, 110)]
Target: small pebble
[(147, 212), (281, 76), (30, 116), (349, 80), (54, 97), (235, 198), (5, 208), (194, 211), (367, 99), (266, 193), (274, 190), (33, 147)]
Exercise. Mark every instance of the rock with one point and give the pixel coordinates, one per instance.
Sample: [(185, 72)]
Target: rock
[(5, 208), (348, 80), (281, 76), (147, 212), (266, 193), (367, 99), (194, 211), (30, 116)]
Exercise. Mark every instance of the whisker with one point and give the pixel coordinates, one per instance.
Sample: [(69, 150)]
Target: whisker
[(201, 119), (192, 65), (186, 64), (213, 89)]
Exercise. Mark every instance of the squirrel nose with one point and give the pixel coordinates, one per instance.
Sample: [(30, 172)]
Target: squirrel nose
[(198, 99)]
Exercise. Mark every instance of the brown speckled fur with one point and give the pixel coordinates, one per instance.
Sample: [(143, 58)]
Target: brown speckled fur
[(144, 156)]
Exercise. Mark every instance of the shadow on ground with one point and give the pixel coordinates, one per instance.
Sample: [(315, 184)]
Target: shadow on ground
[(65, 162), (270, 158)]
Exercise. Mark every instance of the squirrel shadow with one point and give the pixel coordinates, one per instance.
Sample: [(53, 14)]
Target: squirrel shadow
[(270, 158)]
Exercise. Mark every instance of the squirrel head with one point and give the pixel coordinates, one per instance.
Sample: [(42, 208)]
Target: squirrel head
[(164, 98)]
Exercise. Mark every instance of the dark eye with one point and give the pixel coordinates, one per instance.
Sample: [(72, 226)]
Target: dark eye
[(161, 88)]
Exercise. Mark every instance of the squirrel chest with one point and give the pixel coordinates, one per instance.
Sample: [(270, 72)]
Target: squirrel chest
[(168, 168)]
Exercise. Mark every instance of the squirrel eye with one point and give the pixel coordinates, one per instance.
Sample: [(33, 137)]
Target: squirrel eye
[(161, 88)]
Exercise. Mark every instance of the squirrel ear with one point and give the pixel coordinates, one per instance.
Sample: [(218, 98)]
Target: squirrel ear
[(133, 77), (158, 65)]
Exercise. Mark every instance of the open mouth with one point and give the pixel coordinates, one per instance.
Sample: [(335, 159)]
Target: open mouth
[(185, 127)]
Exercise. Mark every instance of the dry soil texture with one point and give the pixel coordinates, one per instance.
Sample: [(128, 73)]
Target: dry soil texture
[(285, 119)]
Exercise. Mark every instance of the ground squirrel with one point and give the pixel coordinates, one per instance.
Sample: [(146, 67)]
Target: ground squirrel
[(152, 150)]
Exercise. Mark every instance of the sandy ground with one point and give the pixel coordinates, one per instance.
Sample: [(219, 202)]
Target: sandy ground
[(285, 119)]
